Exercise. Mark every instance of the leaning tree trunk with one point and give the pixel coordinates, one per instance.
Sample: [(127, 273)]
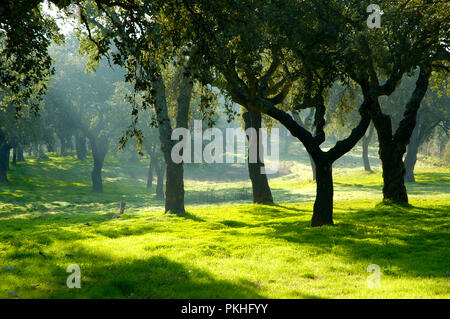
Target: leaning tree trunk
[(365, 146), (260, 184), (99, 150), (392, 147), (323, 206), (411, 156)]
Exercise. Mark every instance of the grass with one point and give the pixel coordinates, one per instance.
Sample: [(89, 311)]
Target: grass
[(228, 247)]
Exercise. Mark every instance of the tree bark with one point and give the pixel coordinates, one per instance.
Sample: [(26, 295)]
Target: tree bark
[(160, 180), (411, 156), (20, 157), (313, 167), (323, 206), (365, 146), (4, 160), (14, 158), (99, 147), (392, 147), (174, 199), (80, 145), (150, 172), (63, 149), (8, 158), (260, 184)]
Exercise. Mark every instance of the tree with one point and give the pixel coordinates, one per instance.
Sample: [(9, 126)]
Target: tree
[(25, 35), (433, 113), (88, 104), (413, 36), (257, 51), (134, 36)]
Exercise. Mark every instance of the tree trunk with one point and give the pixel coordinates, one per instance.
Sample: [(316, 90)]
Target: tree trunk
[(4, 161), (410, 162), (20, 157), (80, 145), (159, 167), (365, 146), (99, 150), (260, 184), (63, 143), (323, 206), (41, 152), (411, 156), (393, 176), (150, 172), (8, 158), (174, 199), (14, 159), (392, 147), (313, 167)]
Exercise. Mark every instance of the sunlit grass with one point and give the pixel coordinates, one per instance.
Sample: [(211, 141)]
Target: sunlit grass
[(227, 248)]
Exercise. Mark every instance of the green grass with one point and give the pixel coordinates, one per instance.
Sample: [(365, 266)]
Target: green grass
[(227, 248)]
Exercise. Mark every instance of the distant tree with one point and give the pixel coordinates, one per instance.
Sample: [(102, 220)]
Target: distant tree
[(86, 105)]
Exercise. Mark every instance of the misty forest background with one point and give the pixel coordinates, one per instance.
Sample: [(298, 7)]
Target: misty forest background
[(91, 92)]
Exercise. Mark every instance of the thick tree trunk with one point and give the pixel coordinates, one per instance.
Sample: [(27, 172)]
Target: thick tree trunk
[(392, 147), (313, 167), (174, 199), (96, 176), (80, 145), (393, 175), (323, 206), (365, 146), (99, 150), (260, 184)]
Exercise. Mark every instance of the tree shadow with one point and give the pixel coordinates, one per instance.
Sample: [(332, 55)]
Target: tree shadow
[(414, 238), (104, 276)]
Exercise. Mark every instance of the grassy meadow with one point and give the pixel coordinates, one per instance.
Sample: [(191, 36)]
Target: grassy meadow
[(225, 246)]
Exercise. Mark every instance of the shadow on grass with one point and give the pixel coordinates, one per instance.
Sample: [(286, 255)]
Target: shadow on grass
[(104, 276), (412, 240)]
